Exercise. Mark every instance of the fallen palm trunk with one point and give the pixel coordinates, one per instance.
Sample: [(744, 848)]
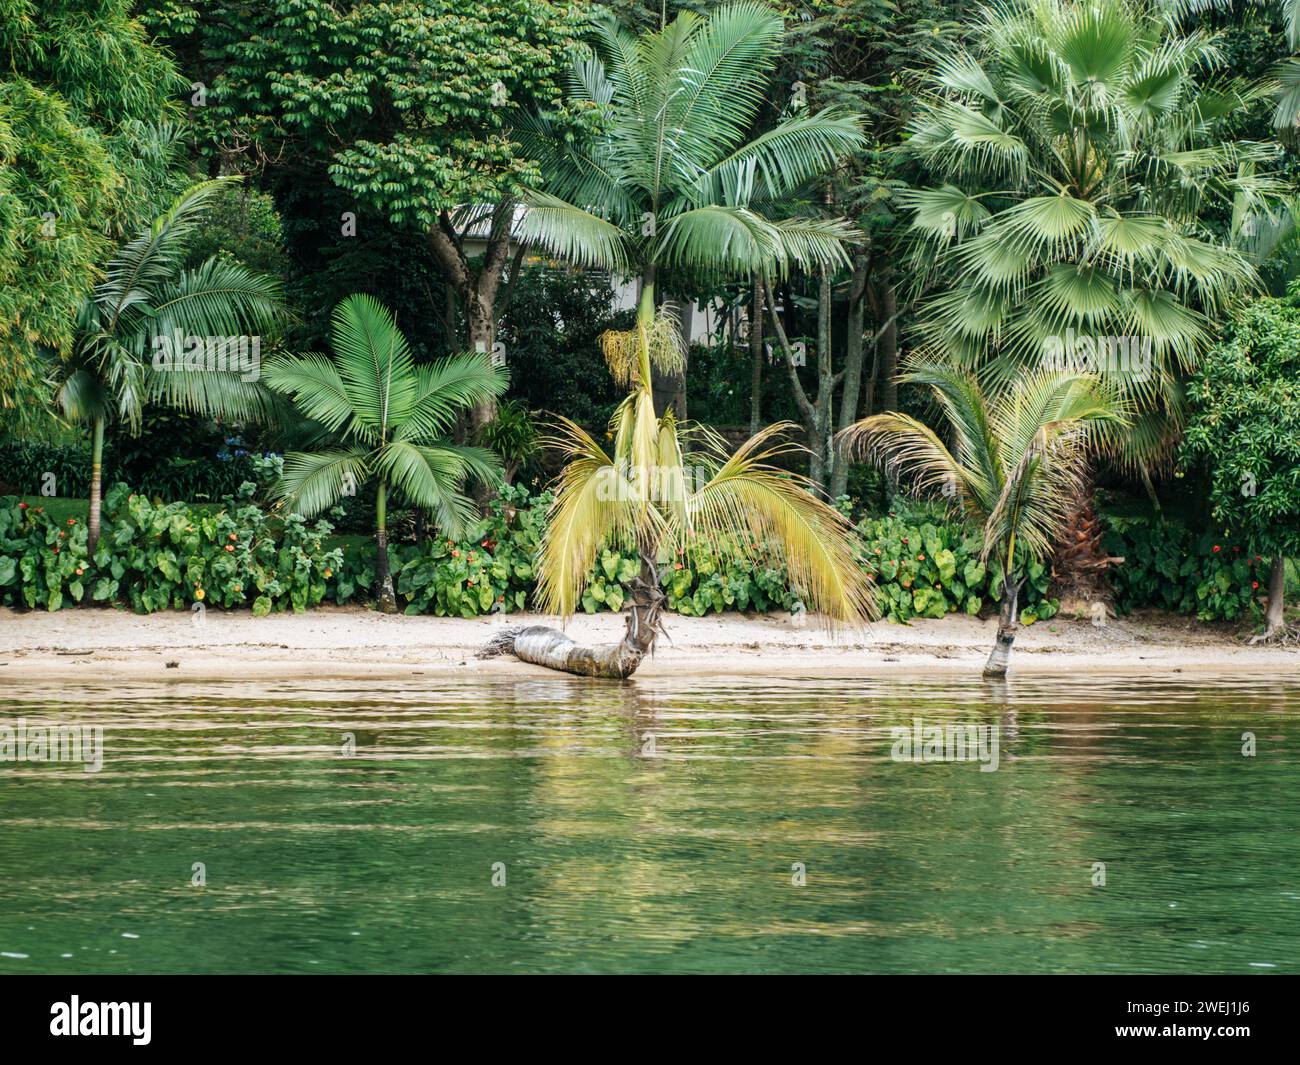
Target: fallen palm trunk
[(544, 646)]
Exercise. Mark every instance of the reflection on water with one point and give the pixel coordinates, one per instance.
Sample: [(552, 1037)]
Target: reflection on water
[(655, 827)]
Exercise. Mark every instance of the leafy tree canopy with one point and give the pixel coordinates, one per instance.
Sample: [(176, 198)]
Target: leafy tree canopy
[(409, 104), (1245, 425), (83, 158)]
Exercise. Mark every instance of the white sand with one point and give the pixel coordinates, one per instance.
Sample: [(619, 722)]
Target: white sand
[(351, 641)]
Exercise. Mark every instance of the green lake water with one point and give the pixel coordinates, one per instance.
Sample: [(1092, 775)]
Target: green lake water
[(656, 826)]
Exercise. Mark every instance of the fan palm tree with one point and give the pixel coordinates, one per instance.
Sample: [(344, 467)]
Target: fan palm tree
[(644, 498), (149, 298), (1083, 156), (1013, 467), (671, 181), (386, 419)]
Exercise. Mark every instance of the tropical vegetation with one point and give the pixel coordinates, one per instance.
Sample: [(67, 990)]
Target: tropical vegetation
[(470, 309)]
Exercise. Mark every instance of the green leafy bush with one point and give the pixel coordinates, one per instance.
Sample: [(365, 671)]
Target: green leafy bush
[(43, 561), (931, 568), (1169, 566), (157, 556), (491, 571), (699, 584)]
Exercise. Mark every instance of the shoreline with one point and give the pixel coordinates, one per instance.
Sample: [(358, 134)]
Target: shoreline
[(350, 641)]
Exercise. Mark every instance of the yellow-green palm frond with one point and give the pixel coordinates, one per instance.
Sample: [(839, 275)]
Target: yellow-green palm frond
[(664, 347), (764, 511), (913, 450), (670, 484), (595, 503), (1047, 426)]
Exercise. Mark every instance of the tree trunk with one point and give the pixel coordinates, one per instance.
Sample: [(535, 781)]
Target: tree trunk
[(996, 666), (1080, 562), (888, 347), (854, 355), (96, 485), (756, 360), (385, 597), (824, 429), (544, 646), (1273, 619), (481, 325)]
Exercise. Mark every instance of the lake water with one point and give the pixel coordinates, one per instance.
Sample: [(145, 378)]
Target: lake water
[(692, 825)]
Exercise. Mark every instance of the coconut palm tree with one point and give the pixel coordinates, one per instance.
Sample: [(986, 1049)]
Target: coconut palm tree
[(672, 180), (139, 330), (1079, 157), (643, 497), (1013, 466), (386, 419)]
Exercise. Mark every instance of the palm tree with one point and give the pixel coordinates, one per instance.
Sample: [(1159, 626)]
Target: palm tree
[(1014, 464), (646, 499), (386, 419), (1083, 161), (671, 180), (1082, 155), (149, 304)]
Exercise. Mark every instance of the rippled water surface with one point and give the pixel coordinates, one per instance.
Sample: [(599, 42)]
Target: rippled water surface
[(657, 826)]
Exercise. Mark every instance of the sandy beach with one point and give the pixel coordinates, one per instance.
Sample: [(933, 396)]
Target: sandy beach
[(352, 641)]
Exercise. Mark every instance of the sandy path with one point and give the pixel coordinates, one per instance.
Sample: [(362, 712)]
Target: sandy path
[(351, 641)]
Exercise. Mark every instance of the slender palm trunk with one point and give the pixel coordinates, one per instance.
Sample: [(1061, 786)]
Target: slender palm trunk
[(385, 597), (1273, 619), (756, 360), (996, 666), (854, 357), (544, 646), (96, 485)]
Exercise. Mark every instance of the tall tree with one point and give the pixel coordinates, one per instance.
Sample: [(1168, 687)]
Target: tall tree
[(406, 107), (136, 333), (671, 180), (82, 162), (1082, 156), (1244, 430)]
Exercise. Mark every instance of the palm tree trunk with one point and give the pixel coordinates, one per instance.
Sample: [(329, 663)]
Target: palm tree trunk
[(996, 666), (544, 646), (96, 485), (854, 357), (756, 360), (385, 597)]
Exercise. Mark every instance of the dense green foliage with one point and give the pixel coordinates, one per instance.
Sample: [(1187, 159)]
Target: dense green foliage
[(1169, 566), (83, 158), (1244, 427), (152, 557), (1101, 168)]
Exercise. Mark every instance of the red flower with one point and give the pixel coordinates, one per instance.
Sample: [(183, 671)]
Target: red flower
[(1254, 585), (72, 521), (229, 547), (22, 506), (1216, 549), (920, 558)]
